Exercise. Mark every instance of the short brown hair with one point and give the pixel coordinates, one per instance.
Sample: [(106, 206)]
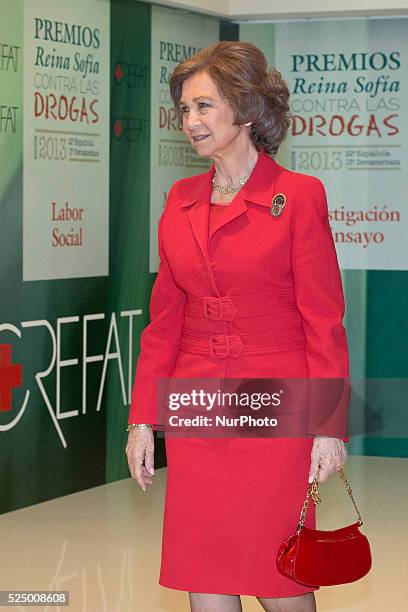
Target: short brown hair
[(255, 93)]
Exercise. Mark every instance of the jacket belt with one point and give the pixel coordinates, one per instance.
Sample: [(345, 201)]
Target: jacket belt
[(223, 345), (237, 306)]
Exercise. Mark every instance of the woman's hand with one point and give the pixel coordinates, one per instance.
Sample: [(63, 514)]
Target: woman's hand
[(139, 450), (328, 454)]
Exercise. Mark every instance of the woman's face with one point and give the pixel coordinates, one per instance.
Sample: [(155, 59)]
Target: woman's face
[(207, 117)]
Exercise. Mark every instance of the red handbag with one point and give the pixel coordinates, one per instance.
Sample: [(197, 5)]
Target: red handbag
[(316, 558)]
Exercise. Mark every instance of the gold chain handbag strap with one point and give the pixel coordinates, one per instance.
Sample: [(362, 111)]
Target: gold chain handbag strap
[(313, 492)]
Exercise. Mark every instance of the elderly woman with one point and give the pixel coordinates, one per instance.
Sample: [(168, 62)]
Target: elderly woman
[(248, 287)]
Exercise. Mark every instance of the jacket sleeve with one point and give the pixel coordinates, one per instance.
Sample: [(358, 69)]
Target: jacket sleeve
[(159, 341), (320, 300)]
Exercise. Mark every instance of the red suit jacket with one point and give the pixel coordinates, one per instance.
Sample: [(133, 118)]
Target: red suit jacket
[(257, 280)]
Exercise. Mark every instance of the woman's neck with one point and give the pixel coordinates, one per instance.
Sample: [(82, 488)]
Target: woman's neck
[(229, 170)]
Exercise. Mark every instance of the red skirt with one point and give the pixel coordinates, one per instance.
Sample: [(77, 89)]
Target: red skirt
[(230, 502)]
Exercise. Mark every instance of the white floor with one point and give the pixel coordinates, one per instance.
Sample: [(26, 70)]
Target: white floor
[(103, 545)]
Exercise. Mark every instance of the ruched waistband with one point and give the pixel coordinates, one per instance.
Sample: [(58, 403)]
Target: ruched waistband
[(234, 345), (239, 306)]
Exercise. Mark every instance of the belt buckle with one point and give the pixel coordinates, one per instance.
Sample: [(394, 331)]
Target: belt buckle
[(226, 308), (215, 339), (212, 300)]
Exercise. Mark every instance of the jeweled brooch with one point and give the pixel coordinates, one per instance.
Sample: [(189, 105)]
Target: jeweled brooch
[(278, 204)]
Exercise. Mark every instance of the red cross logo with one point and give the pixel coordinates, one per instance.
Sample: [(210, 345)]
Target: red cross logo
[(11, 376), (117, 128), (118, 73)]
